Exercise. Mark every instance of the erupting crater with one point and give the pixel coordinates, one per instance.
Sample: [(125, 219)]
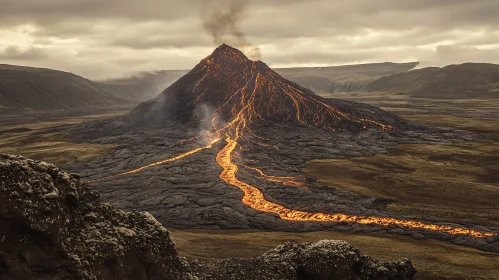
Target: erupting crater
[(244, 95)]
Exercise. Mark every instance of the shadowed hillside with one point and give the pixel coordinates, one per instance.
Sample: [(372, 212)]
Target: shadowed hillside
[(39, 89)]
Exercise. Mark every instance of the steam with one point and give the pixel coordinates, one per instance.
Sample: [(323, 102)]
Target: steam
[(221, 19), (204, 113)]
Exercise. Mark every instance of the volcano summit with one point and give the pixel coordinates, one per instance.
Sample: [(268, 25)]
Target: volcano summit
[(237, 87), (242, 169)]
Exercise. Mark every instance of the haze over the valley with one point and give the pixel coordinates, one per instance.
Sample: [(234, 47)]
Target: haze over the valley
[(109, 39)]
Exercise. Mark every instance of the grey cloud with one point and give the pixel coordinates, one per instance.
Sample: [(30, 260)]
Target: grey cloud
[(56, 10), (110, 38), (160, 41), (455, 54)]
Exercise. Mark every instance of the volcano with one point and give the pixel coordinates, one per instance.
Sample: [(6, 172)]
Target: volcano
[(232, 85), (254, 111)]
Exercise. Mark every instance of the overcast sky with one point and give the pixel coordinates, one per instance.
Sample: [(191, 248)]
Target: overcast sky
[(110, 38)]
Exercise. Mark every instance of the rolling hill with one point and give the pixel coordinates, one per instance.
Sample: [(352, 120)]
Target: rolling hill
[(344, 78), (453, 80), (32, 89)]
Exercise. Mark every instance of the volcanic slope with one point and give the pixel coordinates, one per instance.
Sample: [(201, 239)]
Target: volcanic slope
[(234, 86)]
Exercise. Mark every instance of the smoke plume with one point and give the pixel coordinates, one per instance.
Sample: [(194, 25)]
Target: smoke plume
[(221, 19)]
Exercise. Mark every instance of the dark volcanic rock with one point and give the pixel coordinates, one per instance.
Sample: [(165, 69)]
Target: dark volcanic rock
[(52, 227)]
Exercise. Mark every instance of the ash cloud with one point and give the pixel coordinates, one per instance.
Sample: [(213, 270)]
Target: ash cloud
[(221, 20)]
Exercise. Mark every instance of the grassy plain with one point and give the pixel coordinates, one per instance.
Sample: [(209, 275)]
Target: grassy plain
[(456, 183), (45, 139)]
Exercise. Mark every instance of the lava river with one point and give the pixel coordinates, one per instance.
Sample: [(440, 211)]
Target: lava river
[(255, 199)]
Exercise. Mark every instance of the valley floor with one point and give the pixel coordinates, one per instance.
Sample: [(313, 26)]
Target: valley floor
[(433, 259), (433, 180), (43, 137)]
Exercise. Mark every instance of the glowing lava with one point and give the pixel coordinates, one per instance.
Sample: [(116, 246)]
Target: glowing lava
[(248, 109), (254, 198), (158, 162)]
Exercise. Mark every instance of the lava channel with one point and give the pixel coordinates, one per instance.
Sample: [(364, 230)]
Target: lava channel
[(255, 199), (188, 153)]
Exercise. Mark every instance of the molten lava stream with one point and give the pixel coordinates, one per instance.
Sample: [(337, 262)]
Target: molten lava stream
[(254, 198), (188, 153), (285, 180)]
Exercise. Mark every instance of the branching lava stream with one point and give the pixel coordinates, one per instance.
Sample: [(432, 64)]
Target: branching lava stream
[(188, 153)]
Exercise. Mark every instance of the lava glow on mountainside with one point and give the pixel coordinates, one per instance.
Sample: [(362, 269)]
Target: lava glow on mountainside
[(251, 93)]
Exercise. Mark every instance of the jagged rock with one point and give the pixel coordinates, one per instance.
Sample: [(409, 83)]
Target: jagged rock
[(323, 260), (53, 227)]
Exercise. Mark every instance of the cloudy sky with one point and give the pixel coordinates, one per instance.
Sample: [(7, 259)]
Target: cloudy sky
[(101, 39)]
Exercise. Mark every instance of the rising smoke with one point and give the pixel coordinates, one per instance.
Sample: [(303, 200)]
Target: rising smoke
[(221, 19)]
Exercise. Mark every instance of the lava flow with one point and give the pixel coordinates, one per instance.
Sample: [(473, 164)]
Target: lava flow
[(247, 93), (188, 153), (251, 105)]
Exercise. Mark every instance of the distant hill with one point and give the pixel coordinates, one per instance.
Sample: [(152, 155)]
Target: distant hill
[(369, 70), (39, 89), (143, 86), (344, 78), (147, 85), (452, 80)]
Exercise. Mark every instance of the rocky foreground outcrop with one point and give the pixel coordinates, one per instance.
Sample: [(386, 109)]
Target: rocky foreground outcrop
[(326, 259), (53, 227)]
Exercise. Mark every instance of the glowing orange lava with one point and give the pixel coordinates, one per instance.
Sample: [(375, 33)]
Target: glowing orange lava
[(254, 198), (158, 162), (278, 179), (245, 113)]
